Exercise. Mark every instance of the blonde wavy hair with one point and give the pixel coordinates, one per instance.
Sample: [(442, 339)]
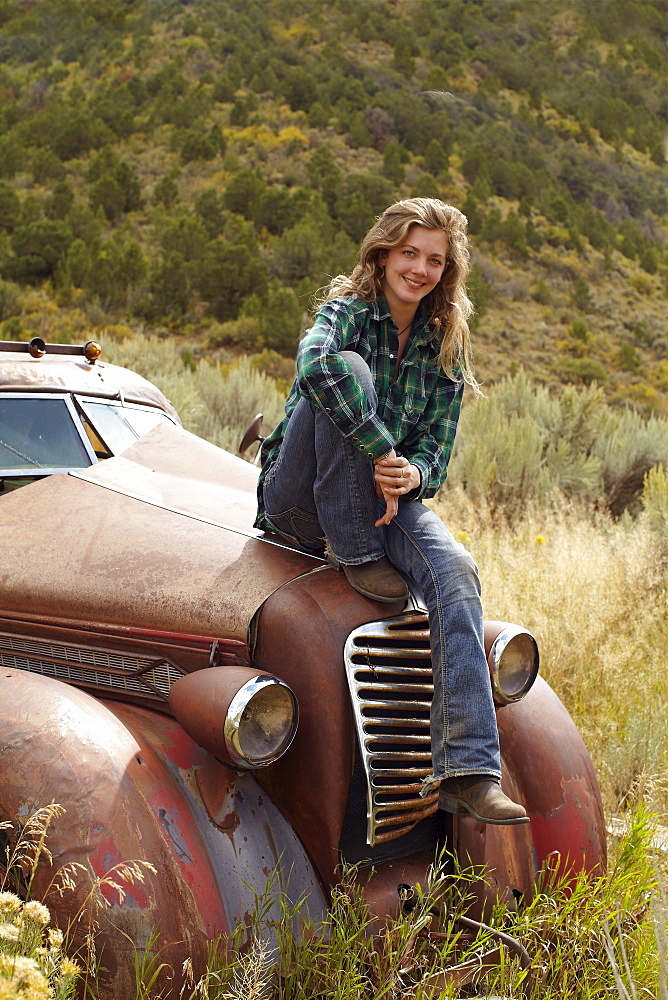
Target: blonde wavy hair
[(449, 305)]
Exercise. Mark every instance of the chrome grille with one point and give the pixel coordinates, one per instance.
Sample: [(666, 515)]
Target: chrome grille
[(86, 666), (388, 665)]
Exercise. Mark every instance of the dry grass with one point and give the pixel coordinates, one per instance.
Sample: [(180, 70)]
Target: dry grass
[(595, 594)]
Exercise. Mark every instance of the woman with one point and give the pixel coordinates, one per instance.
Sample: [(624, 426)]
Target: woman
[(369, 428)]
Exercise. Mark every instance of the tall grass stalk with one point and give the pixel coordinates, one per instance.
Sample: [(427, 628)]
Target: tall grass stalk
[(591, 939), (34, 964), (43, 962), (594, 592)]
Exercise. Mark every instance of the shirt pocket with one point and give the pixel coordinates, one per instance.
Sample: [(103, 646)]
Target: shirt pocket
[(414, 403)]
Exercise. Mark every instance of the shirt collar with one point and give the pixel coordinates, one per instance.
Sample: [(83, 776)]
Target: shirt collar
[(380, 310)]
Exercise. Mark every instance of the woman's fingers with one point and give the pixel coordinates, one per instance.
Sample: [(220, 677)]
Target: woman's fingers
[(395, 476), (391, 510)]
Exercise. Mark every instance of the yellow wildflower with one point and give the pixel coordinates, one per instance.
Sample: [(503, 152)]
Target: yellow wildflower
[(27, 977), (69, 968), (9, 989), (55, 937), (9, 903), (463, 537), (540, 539)]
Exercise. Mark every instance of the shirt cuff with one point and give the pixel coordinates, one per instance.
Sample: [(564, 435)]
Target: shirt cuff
[(372, 437), (423, 469)]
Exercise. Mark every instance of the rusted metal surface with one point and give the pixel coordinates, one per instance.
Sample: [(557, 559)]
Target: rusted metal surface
[(128, 780), (99, 556), (301, 633), (511, 943), (385, 891), (425, 930), (242, 716), (459, 975), (137, 665), (547, 768), (472, 969), (551, 766), (171, 468), (503, 855), (55, 373)]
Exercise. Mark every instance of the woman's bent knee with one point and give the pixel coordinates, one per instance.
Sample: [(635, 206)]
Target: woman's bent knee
[(362, 373)]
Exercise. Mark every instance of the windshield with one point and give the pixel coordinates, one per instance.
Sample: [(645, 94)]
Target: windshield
[(39, 434)]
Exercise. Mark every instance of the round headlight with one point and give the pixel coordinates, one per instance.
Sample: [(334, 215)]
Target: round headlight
[(240, 715), (513, 662), (261, 722)]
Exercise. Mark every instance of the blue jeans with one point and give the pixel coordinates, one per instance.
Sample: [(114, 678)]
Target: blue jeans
[(322, 487)]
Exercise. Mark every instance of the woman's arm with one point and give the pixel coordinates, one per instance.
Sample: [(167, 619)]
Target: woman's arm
[(327, 380)]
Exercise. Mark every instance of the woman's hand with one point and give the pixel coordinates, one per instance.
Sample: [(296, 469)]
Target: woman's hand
[(394, 477)]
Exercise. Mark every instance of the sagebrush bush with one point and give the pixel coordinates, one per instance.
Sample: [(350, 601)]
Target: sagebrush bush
[(233, 396), (522, 443), (216, 401), (655, 500)]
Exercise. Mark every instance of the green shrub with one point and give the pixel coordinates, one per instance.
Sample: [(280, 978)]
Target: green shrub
[(280, 319), (46, 166), (226, 275), (10, 299), (578, 330), (585, 370), (10, 206), (628, 358), (522, 443), (581, 295), (38, 247), (12, 329), (425, 187), (655, 499), (541, 292)]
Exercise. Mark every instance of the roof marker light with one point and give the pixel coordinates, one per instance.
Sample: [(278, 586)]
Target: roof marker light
[(37, 348), (91, 351)]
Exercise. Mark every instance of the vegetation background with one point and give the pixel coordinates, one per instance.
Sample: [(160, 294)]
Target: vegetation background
[(178, 179), (199, 169)]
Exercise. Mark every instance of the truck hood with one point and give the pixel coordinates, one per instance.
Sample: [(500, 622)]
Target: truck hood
[(159, 538)]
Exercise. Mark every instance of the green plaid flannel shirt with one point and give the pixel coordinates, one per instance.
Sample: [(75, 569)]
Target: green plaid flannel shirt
[(417, 413)]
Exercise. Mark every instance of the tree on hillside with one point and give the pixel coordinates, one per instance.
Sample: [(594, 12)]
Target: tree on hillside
[(226, 275)]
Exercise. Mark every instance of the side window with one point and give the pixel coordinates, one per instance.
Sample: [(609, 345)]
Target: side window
[(112, 428), (108, 422)]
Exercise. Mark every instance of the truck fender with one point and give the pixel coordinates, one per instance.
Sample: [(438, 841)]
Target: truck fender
[(546, 767), (135, 787)]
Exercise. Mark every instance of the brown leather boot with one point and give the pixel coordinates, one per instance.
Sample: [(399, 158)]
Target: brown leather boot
[(482, 797), (377, 579)]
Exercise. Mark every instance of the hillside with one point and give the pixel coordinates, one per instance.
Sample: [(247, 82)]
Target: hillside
[(198, 170)]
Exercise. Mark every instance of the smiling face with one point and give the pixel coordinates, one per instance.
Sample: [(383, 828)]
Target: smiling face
[(413, 269)]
